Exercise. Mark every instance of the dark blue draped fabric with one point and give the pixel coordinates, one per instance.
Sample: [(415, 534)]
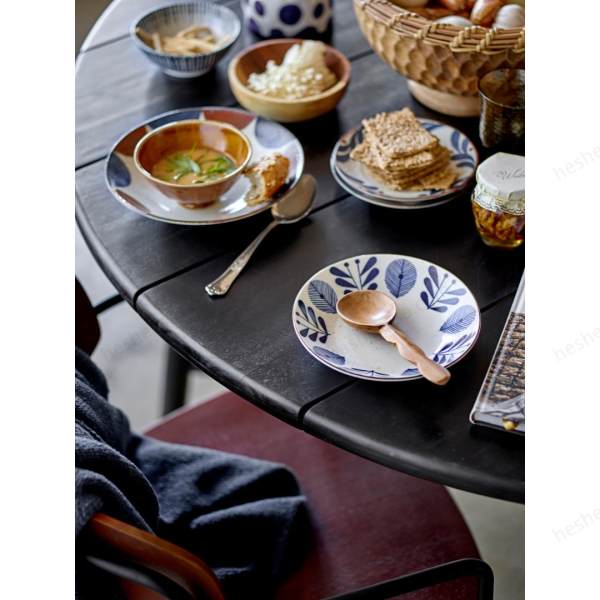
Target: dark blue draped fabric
[(244, 517)]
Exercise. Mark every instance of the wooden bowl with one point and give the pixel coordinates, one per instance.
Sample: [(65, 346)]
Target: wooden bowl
[(254, 60), (182, 135)]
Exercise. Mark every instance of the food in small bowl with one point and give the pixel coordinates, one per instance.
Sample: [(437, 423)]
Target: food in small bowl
[(302, 73), (289, 80), (193, 161), (186, 40), (195, 39)]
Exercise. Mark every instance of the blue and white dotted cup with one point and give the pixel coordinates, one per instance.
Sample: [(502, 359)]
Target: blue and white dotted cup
[(288, 18)]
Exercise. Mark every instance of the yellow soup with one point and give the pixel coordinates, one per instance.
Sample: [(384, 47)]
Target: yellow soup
[(197, 165)]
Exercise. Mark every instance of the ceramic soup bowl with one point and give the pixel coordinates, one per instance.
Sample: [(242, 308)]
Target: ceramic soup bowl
[(195, 133)]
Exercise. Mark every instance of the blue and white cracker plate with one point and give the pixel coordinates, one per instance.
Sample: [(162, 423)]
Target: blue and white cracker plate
[(395, 204), (135, 192), (435, 309), (358, 180)]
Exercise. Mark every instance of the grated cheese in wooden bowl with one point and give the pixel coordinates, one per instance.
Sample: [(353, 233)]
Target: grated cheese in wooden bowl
[(302, 73)]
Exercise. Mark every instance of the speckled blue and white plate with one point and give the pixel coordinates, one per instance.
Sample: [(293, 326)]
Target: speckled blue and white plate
[(135, 192), (395, 204), (434, 308), (358, 180)]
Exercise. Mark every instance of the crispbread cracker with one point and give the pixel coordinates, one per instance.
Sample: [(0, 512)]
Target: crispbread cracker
[(398, 150), (403, 181), (441, 180), (407, 183), (415, 161), (422, 160), (438, 179), (398, 134)]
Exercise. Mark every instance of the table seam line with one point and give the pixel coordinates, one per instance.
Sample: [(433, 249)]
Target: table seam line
[(359, 56), (104, 156), (126, 35), (147, 287), (493, 303), (90, 163), (104, 43), (306, 407), (93, 249), (184, 270)]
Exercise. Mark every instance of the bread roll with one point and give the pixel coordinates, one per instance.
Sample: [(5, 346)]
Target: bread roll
[(510, 16), (455, 5), (484, 12), (267, 176), (410, 3)]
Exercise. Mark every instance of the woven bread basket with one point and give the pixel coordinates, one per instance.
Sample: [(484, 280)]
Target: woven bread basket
[(438, 56)]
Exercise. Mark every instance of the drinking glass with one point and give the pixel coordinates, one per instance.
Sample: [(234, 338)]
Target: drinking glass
[(502, 122)]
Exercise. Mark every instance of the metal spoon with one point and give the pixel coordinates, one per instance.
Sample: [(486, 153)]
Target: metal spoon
[(294, 206), (373, 311)]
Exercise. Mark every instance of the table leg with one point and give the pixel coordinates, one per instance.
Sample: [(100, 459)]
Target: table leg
[(175, 381)]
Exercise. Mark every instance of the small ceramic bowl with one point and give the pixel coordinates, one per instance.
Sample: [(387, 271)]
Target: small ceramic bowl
[(168, 20), (183, 135), (270, 19), (254, 60)]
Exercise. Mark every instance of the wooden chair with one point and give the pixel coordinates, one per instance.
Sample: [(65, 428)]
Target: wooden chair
[(371, 524), (177, 369)]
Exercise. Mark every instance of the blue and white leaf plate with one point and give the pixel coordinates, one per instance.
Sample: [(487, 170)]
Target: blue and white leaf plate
[(132, 190), (358, 180), (435, 309)]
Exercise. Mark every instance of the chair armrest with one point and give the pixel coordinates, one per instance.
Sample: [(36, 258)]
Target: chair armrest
[(140, 577), (108, 303), (140, 556), (466, 567)]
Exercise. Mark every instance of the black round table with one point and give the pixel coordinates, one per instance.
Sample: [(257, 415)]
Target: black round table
[(245, 339)]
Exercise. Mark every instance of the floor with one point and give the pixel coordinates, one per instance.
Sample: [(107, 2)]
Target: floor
[(133, 359), (86, 14)]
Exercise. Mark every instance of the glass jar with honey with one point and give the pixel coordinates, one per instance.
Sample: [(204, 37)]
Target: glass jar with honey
[(498, 200)]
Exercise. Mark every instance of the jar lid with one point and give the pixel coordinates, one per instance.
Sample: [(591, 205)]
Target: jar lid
[(502, 176)]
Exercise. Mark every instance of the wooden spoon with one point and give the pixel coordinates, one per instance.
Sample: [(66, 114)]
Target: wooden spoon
[(373, 311)]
